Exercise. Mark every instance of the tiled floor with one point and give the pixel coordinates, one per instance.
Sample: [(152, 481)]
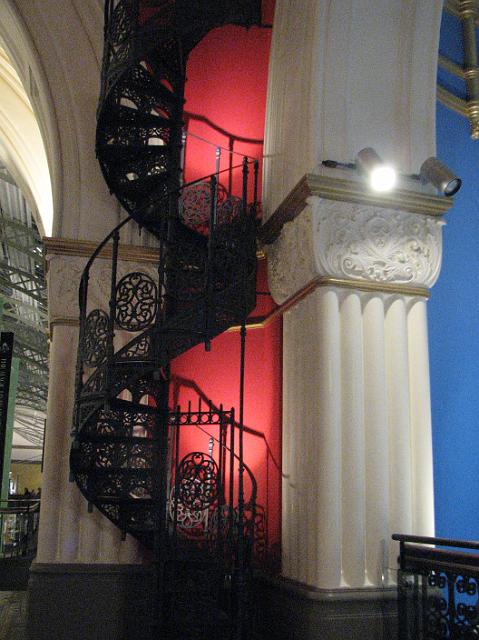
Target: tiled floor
[(12, 615)]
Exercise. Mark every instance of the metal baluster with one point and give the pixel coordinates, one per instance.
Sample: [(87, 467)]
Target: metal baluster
[(218, 162), (241, 577), (210, 453), (221, 481), (83, 302), (176, 493), (255, 188), (232, 473), (209, 267), (111, 323), (245, 185)]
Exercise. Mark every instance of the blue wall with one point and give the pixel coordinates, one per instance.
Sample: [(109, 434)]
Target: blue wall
[(454, 325)]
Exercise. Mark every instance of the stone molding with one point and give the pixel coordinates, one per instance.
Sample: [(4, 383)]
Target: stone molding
[(356, 243), (85, 248)]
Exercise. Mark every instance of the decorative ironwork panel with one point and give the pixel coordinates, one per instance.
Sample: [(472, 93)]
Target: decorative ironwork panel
[(438, 590), (197, 481), (136, 302), (95, 339)]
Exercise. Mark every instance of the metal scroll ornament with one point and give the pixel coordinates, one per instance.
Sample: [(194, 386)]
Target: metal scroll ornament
[(192, 523), (197, 481), (136, 302), (95, 339)]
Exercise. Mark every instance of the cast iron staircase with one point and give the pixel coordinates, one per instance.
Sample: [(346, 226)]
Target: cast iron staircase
[(131, 456)]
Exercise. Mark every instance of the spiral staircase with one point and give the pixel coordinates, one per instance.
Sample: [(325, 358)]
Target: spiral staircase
[(195, 510)]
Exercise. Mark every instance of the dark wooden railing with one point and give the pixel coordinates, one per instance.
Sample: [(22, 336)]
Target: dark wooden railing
[(438, 588)]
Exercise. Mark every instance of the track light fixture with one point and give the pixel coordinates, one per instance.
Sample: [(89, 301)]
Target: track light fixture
[(382, 177), (433, 171)]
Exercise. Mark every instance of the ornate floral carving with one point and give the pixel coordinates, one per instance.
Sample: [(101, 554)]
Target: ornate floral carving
[(291, 257), (64, 273), (355, 242)]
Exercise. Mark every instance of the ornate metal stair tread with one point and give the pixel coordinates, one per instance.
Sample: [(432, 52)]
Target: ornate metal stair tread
[(139, 502), (135, 118), (118, 439), (142, 83), (122, 153), (142, 190), (132, 407), (116, 471)]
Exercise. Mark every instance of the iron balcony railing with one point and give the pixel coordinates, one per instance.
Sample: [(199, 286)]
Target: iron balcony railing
[(18, 527), (438, 592)]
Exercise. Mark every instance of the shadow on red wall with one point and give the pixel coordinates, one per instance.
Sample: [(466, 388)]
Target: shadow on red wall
[(225, 106)]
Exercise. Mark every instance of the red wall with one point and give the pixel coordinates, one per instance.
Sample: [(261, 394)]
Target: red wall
[(226, 90), (226, 96)]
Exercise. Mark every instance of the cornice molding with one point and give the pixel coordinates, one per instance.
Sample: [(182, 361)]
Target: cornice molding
[(85, 248), (351, 191)]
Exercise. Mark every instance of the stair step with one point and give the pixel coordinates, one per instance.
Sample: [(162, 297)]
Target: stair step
[(137, 472), (140, 502), (123, 153), (112, 439), (132, 407), (143, 189), (149, 85), (135, 118)]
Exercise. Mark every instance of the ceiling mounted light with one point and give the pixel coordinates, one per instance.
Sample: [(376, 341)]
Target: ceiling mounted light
[(382, 177), (433, 171)]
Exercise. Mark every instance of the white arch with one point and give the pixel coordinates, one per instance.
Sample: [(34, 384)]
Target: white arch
[(21, 145), (57, 56)]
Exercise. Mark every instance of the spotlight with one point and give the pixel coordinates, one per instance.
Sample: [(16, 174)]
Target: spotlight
[(433, 171), (382, 177)]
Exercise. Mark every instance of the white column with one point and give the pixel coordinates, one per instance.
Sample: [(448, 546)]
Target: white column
[(376, 438), (400, 461), (420, 416), (327, 469), (55, 472), (345, 75), (356, 420), (353, 480)]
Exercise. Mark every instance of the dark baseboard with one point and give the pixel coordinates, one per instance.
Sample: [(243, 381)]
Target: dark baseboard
[(89, 602), (14, 573), (115, 602), (287, 611)]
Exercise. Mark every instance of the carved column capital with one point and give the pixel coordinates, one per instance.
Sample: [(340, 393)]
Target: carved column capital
[(355, 244)]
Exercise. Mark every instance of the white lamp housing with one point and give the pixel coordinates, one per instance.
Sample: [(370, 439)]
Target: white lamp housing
[(382, 177), (433, 171)]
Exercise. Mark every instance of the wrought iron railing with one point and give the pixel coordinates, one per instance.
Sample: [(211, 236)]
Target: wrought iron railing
[(18, 527), (438, 588)]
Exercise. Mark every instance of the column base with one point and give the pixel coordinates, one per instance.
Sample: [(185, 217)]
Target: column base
[(288, 611), (88, 602)]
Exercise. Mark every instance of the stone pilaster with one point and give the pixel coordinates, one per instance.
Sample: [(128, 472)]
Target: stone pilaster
[(357, 455), (68, 533)]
